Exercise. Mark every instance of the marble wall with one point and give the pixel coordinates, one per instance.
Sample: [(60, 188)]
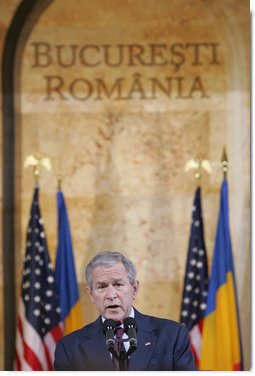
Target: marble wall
[(120, 95)]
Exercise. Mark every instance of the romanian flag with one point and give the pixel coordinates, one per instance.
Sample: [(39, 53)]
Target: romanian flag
[(71, 312), (221, 343)]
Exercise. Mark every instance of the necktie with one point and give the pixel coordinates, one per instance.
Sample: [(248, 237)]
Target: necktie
[(118, 346)]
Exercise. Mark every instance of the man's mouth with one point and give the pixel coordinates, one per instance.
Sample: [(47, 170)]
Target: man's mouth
[(113, 306)]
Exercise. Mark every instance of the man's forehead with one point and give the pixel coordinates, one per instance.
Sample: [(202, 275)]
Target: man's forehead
[(113, 280), (116, 271)]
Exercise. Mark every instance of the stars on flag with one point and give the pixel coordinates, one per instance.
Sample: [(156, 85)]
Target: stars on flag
[(38, 326), (195, 283), (38, 285)]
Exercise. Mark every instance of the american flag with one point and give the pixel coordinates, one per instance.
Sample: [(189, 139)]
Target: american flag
[(196, 280), (38, 323)]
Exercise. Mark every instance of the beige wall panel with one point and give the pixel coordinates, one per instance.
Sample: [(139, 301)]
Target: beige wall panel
[(123, 159), (121, 135)]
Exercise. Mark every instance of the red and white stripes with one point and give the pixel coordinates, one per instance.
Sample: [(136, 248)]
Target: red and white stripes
[(34, 353)]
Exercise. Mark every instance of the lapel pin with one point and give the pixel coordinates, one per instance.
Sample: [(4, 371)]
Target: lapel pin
[(147, 343)]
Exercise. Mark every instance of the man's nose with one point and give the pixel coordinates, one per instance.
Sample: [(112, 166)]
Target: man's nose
[(110, 292)]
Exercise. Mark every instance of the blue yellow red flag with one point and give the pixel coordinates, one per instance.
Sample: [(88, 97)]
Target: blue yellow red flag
[(221, 343), (71, 312)]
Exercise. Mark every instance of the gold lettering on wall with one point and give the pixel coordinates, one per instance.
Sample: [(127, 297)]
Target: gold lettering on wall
[(174, 57)]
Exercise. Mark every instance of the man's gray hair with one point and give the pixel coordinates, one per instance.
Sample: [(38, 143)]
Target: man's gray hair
[(108, 259)]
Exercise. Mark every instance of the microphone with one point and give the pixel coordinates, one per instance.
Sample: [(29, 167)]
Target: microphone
[(130, 328), (109, 327)]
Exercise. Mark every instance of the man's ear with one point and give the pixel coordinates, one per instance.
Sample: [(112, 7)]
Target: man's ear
[(135, 289), (89, 290)]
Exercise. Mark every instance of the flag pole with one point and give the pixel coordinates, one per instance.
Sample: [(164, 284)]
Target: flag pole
[(36, 172), (70, 304), (59, 180), (224, 163), (197, 165), (38, 297), (197, 173), (37, 161), (194, 295)]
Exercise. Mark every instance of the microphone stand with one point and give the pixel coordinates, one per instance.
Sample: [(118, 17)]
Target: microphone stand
[(122, 357)]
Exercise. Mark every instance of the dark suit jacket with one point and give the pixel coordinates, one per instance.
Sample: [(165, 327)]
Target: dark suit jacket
[(162, 345)]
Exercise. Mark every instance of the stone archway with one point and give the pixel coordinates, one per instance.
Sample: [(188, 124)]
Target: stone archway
[(23, 22)]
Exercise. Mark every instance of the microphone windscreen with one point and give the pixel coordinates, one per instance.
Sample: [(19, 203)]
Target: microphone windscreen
[(129, 322), (109, 324)]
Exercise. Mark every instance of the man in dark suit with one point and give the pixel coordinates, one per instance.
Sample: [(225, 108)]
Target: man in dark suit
[(163, 345)]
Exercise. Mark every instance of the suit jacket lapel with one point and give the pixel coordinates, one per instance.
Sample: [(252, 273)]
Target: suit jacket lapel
[(146, 340), (94, 348), (97, 357)]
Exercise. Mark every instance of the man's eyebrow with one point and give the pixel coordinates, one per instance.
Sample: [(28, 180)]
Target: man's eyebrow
[(101, 283), (118, 280)]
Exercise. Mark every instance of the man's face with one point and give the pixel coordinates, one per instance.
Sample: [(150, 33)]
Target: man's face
[(112, 292)]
